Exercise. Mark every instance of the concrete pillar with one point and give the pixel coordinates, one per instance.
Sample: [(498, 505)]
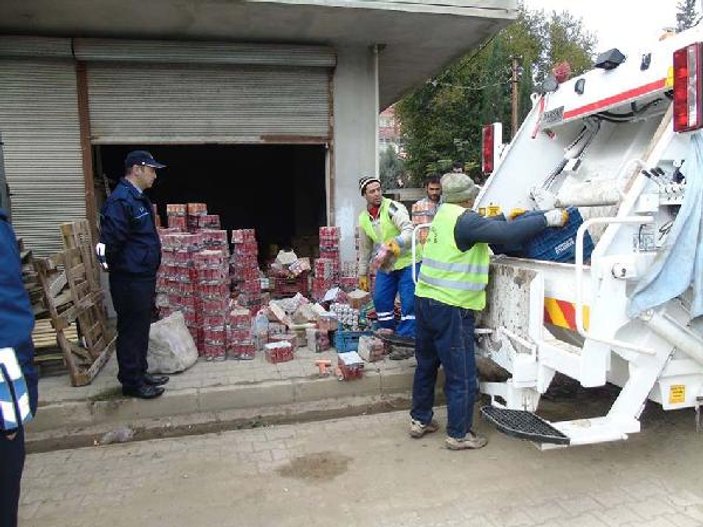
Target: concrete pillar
[(355, 136)]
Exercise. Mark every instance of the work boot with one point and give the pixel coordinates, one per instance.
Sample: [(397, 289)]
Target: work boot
[(469, 441), (417, 429)]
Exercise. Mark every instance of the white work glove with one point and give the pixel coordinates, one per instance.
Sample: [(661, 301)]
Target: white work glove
[(100, 253), (556, 217), (544, 199)]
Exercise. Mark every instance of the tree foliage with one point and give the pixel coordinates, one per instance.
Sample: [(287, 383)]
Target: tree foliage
[(391, 169), (686, 16), (441, 120)]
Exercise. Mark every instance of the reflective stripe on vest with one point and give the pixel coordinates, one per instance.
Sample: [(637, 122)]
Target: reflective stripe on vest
[(449, 275), (387, 231)]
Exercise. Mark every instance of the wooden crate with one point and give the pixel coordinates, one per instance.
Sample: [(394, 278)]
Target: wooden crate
[(79, 304)]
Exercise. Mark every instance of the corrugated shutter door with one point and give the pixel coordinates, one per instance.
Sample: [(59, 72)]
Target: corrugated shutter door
[(170, 104), (39, 125)]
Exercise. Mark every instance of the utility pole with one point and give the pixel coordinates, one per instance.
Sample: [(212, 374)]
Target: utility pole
[(514, 81)]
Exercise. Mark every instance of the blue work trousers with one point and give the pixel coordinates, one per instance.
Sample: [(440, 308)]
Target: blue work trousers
[(133, 299), (11, 465), (445, 336), (386, 287)]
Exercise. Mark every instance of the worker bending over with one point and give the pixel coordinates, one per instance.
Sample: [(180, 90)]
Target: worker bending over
[(451, 288)]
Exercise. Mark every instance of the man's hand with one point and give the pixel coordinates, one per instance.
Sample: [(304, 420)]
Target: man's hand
[(364, 283), (556, 217), (393, 247), (100, 253)]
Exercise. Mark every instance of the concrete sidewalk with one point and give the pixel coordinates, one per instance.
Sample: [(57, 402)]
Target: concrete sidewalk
[(218, 391)]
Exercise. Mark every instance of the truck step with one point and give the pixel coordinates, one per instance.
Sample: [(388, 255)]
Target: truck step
[(524, 425)]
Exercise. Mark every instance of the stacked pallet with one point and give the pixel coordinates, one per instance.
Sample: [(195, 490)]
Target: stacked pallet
[(73, 298)]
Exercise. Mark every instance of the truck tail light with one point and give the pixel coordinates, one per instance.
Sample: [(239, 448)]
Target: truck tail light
[(688, 82), (491, 139)]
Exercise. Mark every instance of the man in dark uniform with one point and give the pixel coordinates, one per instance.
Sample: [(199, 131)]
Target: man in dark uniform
[(131, 250), (16, 324)]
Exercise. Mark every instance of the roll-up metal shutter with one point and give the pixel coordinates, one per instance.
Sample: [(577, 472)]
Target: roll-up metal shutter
[(40, 129), (179, 103), (173, 52)]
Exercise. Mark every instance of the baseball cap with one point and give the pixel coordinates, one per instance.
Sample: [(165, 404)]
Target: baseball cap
[(141, 157)]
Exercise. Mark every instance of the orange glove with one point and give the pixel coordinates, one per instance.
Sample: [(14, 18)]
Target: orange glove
[(514, 213), (364, 283), (393, 247)]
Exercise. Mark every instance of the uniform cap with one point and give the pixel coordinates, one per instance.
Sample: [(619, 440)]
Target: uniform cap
[(143, 158)]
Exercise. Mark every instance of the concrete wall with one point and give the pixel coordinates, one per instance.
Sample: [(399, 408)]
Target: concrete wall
[(355, 136)]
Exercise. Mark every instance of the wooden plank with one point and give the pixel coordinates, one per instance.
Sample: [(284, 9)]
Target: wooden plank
[(48, 357), (65, 345), (101, 360), (77, 272)]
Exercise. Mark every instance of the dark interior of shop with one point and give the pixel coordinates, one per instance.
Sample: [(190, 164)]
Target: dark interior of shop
[(279, 190)]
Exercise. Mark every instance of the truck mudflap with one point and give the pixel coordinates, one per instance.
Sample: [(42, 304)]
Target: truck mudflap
[(524, 425)]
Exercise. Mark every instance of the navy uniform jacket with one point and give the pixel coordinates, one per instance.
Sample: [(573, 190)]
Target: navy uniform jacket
[(16, 316), (128, 230), (472, 228)]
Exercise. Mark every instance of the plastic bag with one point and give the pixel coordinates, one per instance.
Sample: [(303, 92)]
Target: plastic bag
[(171, 347)]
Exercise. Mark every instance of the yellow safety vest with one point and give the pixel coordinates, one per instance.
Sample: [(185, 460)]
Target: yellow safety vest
[(449, 275), (384, 229)]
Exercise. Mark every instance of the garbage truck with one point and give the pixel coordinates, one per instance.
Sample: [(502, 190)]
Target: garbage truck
[(616, 297)]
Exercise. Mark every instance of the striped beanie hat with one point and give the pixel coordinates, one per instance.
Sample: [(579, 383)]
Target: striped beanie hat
[(365, 180)]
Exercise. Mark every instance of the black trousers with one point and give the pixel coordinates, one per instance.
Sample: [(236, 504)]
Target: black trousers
[(11, 465), (133, 299)]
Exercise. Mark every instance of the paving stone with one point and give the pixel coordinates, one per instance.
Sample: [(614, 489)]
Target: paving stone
[(371, 473)]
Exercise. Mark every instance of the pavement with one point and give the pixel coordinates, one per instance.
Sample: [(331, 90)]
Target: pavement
[(366, 471), (223, 394)]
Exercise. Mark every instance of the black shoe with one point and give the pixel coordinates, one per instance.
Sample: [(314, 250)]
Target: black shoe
[(155, 380), (144, 391)]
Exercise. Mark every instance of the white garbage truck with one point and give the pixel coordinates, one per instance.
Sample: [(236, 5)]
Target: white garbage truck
[(621, 147)]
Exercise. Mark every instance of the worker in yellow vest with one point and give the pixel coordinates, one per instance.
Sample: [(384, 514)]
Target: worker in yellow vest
[(385, 221), (451, 287)]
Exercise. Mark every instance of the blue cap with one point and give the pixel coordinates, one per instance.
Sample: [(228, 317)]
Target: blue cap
[(143, 158)]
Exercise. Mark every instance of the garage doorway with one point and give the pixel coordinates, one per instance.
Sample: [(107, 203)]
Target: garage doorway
[(279, 190)]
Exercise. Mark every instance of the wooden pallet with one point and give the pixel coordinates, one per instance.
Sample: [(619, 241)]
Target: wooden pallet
[(84, 309)]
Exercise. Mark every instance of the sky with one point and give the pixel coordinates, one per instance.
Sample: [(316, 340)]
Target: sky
[(622, 24)]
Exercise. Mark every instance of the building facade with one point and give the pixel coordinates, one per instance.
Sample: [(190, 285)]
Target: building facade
[(267, 110)]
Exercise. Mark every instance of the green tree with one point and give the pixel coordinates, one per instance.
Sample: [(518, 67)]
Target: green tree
[(391, 168), (686, 16), (441, 120)]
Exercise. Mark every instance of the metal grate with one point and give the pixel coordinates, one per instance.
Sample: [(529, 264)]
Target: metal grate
[(524, 425)]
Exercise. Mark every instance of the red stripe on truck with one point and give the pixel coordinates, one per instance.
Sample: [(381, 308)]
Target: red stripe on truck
[(615, 99)]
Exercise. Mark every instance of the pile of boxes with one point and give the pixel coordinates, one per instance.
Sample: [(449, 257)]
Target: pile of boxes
[(240, 340), (244, 269), (328, 265), (220, 295), (193, 277)]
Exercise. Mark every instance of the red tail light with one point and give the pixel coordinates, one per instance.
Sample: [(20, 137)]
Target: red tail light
[(491, 138), (688, 82)]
